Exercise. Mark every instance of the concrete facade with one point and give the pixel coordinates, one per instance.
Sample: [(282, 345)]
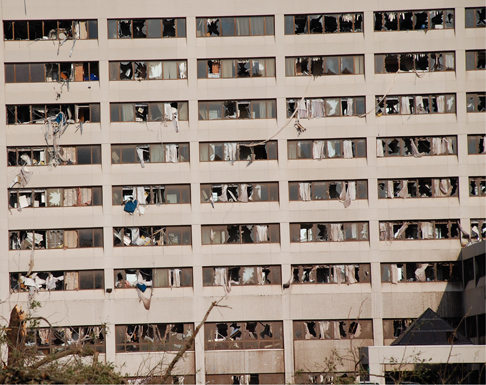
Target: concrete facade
[(374, 300)]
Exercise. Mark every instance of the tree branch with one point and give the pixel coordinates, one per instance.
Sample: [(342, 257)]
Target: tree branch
[(55, 356), (190, 341)]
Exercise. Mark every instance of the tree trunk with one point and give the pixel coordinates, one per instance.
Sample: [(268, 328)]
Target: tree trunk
[(15, 336)]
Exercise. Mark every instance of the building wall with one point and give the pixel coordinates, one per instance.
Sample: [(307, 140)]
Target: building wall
[(371, 301)]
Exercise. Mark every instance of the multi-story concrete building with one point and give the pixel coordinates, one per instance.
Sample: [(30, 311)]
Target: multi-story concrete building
[(318, 163)]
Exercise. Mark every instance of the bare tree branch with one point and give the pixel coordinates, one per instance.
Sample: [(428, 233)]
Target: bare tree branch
[(190, 341)]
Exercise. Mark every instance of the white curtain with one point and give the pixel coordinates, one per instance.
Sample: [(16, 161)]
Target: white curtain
[(352, 190), (419, 105), (427, 230), (323, 329), (394, 273), (304, 191), (220, 276), (171, 153), (420, 272), (243, 192), (404, 189), (318, 149), (390, 190), (261, 233), (379, 148), (338, 275), (317, 108), (336, 233), (437, 146), (176, 277), (350, 110), (331, 151), (182, 70), (401, 230), (230, 151), (441, 103), (348, 149), (224, 196), (302, 110), (155, 69), (404, 105), (350, 274)]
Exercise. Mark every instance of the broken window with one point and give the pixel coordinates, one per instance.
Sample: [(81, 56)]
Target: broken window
[(146, 28), (329, 23), (331, 148), (232, 151), (393, 328), (476, 144), (243, 192), (37, 114), (306, 191), (235, 26), (45, 341), (421, 272), (476, 17), (152, 236), (151, 195), (55, 239), (230, 68), (419, 229), (240, 234), (415, 104), (248, 109), (148, 112), (477, 186), (476, 102), (244, 275), (42, 156), (243, 335), (325, 107), (349, 274), (475, 60), (324, 65), (412, 62), (333, 330), (57, 280), (152, 337), (143, 278), (417, 147), (478, 229), (333, 232), (55, 197), (261, 378), (50, 30), (414, 20), (148, 70), (418, 188)]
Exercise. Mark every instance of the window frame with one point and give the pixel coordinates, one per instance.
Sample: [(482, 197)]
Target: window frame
[(208, 190), (360, 184), (394, 226), (89, 23), (203, 21), (251, 338), (15, 151), (273, 233), (381, 14), (178, 21), (182, 150), (161, 236), (290, 23), (358, 144), (115, 66), (314, 231)]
